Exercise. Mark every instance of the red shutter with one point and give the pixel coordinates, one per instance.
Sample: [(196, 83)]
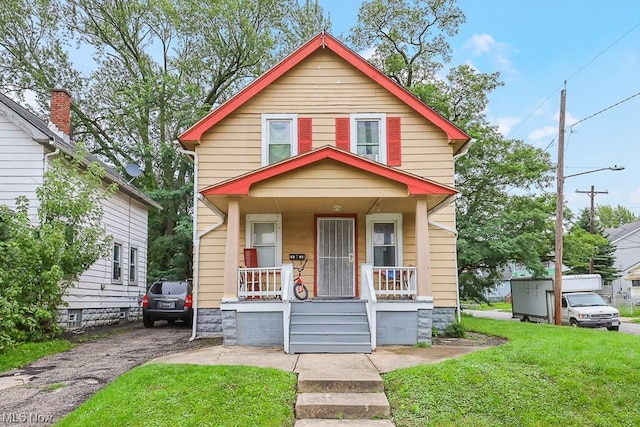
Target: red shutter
[(304, 135), (394, 153), (342, 134)]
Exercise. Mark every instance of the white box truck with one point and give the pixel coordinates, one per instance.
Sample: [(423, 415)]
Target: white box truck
[(533, 301)]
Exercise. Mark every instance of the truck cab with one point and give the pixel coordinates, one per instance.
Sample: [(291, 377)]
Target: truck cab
[(588, 310)]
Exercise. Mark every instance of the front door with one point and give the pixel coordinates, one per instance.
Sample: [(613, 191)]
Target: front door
[(335, 261)]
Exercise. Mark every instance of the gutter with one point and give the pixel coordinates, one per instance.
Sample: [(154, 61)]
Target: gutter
[(47, 156), (465, 149)]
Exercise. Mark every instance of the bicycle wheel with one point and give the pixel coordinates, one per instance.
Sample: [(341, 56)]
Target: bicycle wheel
[(300, 291)]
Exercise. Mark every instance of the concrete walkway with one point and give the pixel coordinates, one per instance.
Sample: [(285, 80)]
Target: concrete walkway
[(330, 386)]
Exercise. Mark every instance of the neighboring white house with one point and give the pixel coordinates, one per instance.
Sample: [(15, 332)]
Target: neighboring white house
[(110, 289), (626, 239)]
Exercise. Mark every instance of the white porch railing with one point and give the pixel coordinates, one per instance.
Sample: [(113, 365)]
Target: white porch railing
[(394, 282), (367, 293), (260, 283)]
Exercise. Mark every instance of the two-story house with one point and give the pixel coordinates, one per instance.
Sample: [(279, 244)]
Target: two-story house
[(324, 160), (110, 289)]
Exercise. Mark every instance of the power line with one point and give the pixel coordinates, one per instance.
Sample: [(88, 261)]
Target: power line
[(605, 109)]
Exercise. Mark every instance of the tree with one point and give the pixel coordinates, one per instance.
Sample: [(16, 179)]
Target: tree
[(610, 217), (409, 36), (39, 262), (585, 248), (148, 70)]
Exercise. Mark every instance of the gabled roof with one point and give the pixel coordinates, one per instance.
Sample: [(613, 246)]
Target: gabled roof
[(242, 184), (616, 234), (321, 41), (41, 133)]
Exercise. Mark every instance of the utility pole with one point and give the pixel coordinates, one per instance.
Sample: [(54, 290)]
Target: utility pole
[(592, 213), (557, 284)]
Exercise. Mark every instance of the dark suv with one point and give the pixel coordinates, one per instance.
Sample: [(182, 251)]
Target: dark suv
[(168, 300)]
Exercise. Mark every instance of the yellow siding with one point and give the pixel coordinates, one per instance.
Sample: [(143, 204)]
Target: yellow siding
[(324, 87)]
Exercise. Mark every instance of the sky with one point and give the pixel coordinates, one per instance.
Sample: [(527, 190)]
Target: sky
[(593, 45)]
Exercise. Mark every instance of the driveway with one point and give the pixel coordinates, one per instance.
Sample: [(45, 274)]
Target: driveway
[(55, 385)]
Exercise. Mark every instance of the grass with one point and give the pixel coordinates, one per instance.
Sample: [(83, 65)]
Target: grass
[(502, 306), (544, 376), (191, 395), (25, 353), (625, 311)]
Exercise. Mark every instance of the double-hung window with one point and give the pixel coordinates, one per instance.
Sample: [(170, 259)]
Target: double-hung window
[(133, 266), (384, 240), (279, 137), (116, 263), (369, 136), (264, 232)]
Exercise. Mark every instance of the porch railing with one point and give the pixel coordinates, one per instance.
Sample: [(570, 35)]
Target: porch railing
[(395, 282), (260, 283), (368, 294)]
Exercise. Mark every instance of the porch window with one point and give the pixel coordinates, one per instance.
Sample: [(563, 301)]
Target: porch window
[(264, 232), (368, 136), (635, 283), (384, 240), (279, 137), (116, 263)]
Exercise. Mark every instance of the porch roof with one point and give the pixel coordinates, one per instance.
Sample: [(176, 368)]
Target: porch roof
[(241, 185)]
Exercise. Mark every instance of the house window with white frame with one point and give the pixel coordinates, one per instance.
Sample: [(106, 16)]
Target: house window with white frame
[(264, 233), (116, 263), (279, 137), (133, 266), (384, 240), (369, 136)]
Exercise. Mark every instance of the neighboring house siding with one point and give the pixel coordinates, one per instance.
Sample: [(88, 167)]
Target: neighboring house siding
[(126, 220), (627, 258), (21, 166)]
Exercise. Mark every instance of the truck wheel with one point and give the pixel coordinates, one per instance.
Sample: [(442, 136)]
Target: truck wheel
[(525, 319), (613, 328), (573, 322)]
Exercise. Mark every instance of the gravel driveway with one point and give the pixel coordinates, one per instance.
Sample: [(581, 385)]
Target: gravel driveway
[(57, 384)]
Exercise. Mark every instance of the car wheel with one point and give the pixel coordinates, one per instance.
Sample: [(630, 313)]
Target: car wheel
[(613, 328), (147, 322), (189, 321), (573, 322)]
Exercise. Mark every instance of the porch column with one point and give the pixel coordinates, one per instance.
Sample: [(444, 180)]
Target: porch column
[(231, 260), (423, 253)]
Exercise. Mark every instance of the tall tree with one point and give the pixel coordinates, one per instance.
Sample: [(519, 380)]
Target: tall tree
[(409, 37), (610, 217), (146, 70), (597, 249)]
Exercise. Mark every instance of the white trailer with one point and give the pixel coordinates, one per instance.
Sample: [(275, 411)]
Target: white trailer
[(533, 301)]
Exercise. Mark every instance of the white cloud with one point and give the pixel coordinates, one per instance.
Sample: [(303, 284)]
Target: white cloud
[(544, 132), (480, 43), (506, 124), (635, 196)]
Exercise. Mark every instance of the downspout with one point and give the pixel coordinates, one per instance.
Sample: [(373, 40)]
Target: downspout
[(196, 239), (465, 149), (47, 156)]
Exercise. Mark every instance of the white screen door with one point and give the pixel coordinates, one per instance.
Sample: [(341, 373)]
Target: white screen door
[(335, 252)]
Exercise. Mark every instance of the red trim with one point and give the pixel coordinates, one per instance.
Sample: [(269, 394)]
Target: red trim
[(342, 133), (394, 146), (355, 249), (321, 41), (242, 184), (305, 135)]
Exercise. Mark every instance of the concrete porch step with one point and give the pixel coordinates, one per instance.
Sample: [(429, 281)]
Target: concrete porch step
[(340, 423), (329, 347), (342, 405), (335, 373)]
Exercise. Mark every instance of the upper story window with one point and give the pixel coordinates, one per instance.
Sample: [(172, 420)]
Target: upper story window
[(279, 137), (369, 136)]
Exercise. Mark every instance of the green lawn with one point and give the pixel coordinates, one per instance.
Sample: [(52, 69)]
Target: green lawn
[(625, 311), (544, 376), (25, 353), (502, 306), (191, 395)]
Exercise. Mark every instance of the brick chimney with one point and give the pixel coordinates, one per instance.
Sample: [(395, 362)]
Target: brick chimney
[(61, 110)]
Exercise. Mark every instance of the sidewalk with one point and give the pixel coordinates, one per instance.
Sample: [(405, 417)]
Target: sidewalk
[(384, 359)]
